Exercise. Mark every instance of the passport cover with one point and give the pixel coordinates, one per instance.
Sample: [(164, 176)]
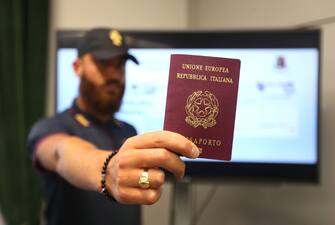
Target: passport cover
[(201, 102)]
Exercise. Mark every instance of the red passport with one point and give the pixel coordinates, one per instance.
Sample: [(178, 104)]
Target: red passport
[(201, 102)]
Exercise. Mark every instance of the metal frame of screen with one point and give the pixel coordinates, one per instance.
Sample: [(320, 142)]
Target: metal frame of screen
[(219, 171)]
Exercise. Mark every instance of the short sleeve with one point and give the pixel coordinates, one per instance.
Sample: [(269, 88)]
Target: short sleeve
[(42, 129)]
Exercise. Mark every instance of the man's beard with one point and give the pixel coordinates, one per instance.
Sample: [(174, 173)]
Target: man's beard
[(104, 99)]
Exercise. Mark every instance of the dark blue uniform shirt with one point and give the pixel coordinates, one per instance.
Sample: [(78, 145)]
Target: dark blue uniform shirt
[(66, 204)]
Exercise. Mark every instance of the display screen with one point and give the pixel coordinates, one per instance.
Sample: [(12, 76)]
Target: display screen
[(276, 122)]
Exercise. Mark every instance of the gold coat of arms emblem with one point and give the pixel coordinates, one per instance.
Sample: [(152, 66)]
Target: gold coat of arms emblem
[(202, 107), (115, 37)]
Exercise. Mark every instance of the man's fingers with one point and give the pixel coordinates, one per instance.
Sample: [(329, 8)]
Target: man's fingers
[(164, 139), (131, 178), (153, 158), (138, 196)]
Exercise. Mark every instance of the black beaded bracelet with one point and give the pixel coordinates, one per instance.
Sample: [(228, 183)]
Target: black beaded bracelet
[(104, 189)]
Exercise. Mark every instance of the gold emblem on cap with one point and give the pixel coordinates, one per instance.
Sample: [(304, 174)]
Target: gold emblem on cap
[(115, 37), (201, 108), (82, 120)]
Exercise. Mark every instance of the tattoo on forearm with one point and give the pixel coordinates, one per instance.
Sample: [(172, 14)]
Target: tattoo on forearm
[(56, 154)]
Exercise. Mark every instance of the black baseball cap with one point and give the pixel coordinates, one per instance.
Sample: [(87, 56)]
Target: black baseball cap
[(104, 43)]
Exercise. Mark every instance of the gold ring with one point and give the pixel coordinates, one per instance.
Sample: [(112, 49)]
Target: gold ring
[(144, 180)]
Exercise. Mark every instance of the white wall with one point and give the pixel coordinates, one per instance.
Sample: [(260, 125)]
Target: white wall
[(237, 14), (233, 204), (125, 14)]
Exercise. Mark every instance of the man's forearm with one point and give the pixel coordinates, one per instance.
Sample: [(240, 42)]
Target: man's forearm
[(76, 160)]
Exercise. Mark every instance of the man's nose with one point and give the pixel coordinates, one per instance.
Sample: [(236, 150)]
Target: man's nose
[(113, 73)]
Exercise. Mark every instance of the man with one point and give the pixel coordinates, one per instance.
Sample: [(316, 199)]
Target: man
[(73, 149)]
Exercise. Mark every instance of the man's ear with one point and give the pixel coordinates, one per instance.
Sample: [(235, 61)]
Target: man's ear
[(78, 67)]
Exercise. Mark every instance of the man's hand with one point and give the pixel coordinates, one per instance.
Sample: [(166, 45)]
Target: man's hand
[(80, 163), (153, 152)]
